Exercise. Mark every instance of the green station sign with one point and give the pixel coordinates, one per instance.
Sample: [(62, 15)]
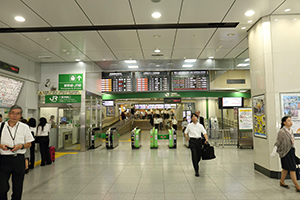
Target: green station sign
[(70, 81), (63, 99)]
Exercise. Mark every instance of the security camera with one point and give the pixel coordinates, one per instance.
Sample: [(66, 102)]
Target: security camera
[(47, 84)]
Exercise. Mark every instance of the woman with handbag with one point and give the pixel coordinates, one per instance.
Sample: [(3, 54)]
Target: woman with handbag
[(42, 135), (284, 146)]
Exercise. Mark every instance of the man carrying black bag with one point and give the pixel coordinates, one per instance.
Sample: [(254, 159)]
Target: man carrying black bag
[(193, 132)]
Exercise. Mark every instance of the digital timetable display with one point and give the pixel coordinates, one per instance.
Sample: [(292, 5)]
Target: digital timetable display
[(190, 80), (151, 81), (116, 82)]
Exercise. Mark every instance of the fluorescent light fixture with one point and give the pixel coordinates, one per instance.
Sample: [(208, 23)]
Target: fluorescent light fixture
[(249, 13), (243, 64), (157, 51), (210, 57), (243, 90), (243, 28), (78, 60), (247, 60), (156, 15), (130, 61), (287, 10), (19, 18), (190, 60), (157, 65), (133, 66), (250, 21), (187, 65)]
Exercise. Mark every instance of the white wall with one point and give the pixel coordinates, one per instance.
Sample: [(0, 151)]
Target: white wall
[(200, 105), (220, 83)]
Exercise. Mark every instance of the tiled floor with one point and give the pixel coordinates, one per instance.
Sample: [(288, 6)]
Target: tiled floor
[(158, 174)]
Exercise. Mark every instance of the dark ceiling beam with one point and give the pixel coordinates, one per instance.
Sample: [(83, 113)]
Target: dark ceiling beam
[(119, 27)]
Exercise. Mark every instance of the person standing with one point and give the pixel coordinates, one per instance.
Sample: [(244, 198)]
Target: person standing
[(200, 119), (284, 146), (193, 133), (184, 125), (174, 123), (32, 126), (52, 122), (42, 135), (15, 138)]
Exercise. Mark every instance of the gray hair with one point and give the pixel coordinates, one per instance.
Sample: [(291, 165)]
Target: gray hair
[(16, 107)]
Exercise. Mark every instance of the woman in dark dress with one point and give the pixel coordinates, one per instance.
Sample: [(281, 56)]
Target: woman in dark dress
[(284, 146)]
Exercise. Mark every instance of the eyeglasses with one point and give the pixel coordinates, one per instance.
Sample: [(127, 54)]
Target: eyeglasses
[(15, 113)]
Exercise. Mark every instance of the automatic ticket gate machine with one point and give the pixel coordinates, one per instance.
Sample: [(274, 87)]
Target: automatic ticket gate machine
[(112, 138), (136, 138), (153, 138), (172, 138)]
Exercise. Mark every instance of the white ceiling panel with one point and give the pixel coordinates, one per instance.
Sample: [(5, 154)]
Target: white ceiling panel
[(186, 53), (121, 40), (9, 9), (294, 5), (3, 25), (152, 39), (100, 55), (192, 38), (20, 43), (196, 11), (143, 10), (217, 54), (129, 54), (238, 49), (166, 54), (46, 57), (58, 12), (52, 41), (86, 40), (261, 8), (71, 56), (107, 12)]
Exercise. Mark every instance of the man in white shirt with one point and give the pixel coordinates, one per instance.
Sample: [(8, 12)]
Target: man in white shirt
[(193, 132), (15, 138)]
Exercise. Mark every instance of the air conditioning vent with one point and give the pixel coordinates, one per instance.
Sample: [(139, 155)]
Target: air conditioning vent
[(45, 57), (236, 81), (157, 54)]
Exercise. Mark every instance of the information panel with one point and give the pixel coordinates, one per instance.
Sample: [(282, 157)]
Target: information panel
[(117, 82), (190, 80), (152, 81), (9, 91)]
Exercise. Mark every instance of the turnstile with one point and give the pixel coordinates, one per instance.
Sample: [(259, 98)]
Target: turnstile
[(95, 138), (136, 138), (172, 139), (112, 138), (153, 138)]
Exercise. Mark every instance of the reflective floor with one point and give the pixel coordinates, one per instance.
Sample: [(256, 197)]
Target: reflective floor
[(161, 173)]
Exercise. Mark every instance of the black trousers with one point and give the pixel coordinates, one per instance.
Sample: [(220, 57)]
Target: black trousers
[(175, 126), (32, 155), (196, 149), (44, 150), (14, 166)]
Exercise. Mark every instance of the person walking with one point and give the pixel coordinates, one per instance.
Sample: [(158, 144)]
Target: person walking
[(15, 138), (200, 119), (193, 133), (184, 124), (42, 135), (32, 126), (284, 146)]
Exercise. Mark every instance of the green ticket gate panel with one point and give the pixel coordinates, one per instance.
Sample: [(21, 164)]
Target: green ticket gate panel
[(153, 139), (156, 138), (172, 139), (136, 138)]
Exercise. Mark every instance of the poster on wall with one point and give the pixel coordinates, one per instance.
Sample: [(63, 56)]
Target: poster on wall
[(290, 106), (245, 118), (110, 111), (259, 116)]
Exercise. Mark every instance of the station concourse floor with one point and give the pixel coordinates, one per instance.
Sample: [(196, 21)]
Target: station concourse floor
[(158, 174)]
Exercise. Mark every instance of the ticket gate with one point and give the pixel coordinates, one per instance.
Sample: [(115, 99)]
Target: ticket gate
[(136, 138), (172, 139), (112, 138), (95, 138), (153, 138)]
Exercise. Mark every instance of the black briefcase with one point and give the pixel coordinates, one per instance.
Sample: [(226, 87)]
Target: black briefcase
[(208, 152)]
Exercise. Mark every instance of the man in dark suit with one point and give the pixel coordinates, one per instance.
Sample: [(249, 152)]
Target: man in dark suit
[(200, 119)]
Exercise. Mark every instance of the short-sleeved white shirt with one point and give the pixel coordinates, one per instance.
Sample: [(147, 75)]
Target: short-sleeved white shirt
[(21, 134), (44, 132), (195, 130), (33, 129)]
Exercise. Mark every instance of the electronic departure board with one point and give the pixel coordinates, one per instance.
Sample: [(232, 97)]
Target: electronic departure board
[(117, 82), (190, 80), (152, 81)]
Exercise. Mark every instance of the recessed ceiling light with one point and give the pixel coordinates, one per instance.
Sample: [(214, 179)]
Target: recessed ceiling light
[(243, 28), (133, 66), (295, 19), (78, 60), (156, 15), (64, 50), (190, 60), (275, 20), (210, 57), (248, 59), (156, 36), (19, 18), (287, 10), (157, 50), (130, 61), (249, 13), (230, 34), (250, 21), (187, 65), (104, 59), (48, 38), (157, 65)]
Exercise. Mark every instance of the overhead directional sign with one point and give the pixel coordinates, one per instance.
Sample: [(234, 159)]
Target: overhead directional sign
[(63, 99), (70, 81)]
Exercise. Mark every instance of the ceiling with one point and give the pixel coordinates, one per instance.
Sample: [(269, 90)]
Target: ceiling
[(108, 47)]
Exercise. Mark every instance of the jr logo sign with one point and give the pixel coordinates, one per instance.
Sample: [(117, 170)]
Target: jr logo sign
[(54, 99)]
